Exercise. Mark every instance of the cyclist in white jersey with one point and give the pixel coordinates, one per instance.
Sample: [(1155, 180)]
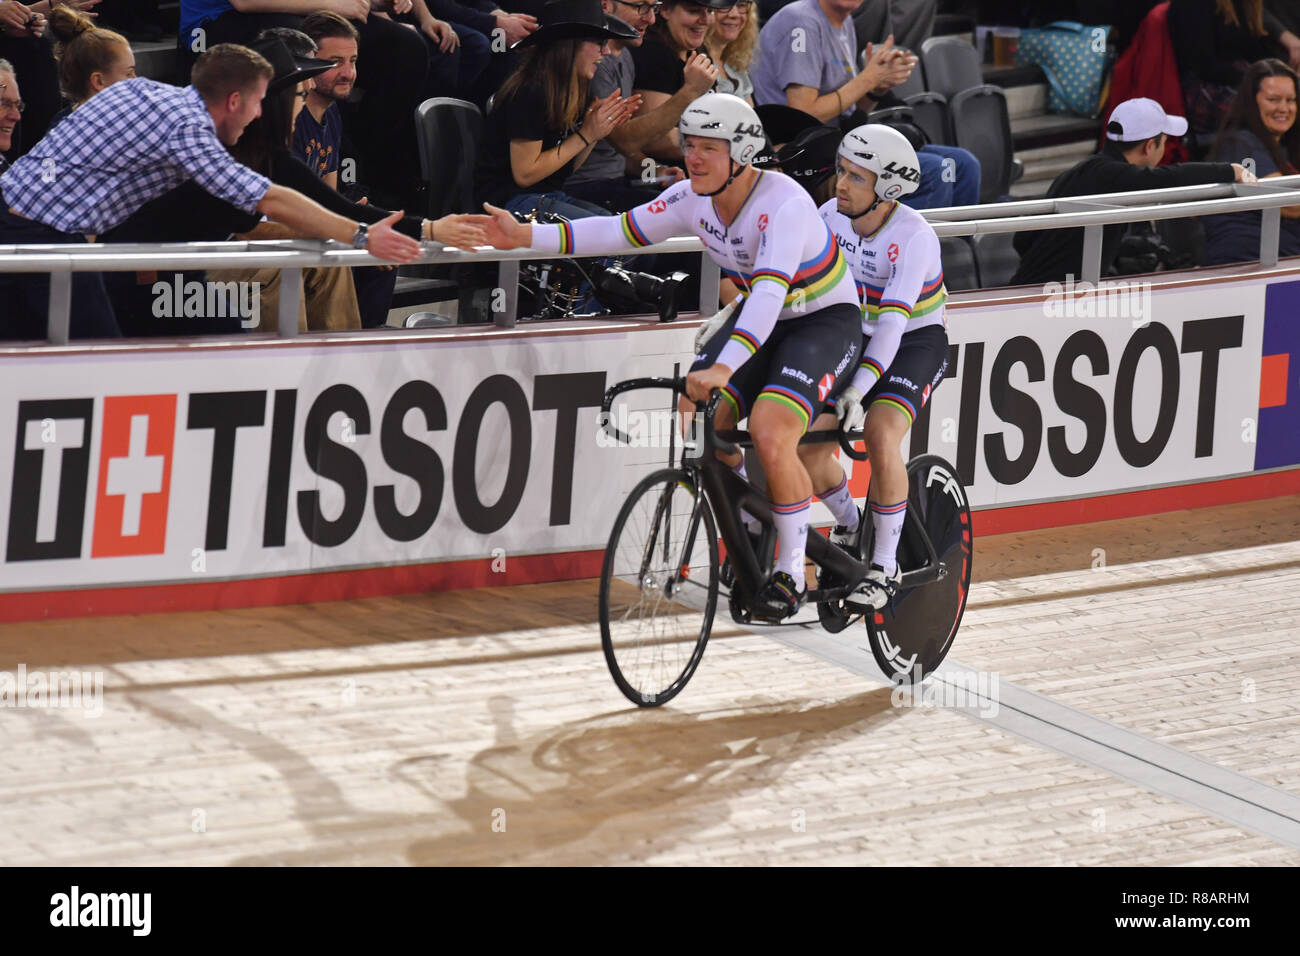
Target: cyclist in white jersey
[(791, 346), (894, 255)]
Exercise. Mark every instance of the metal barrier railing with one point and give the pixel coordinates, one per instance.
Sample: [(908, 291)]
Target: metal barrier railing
[(292, 256)]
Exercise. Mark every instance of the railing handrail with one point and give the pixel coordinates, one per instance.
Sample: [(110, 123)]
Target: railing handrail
[(1091, 212)]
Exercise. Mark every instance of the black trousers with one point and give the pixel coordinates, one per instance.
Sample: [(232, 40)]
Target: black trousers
[(393, 62), (25, 296)]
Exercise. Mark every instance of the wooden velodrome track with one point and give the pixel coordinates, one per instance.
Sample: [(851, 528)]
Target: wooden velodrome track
[(1148, 715)]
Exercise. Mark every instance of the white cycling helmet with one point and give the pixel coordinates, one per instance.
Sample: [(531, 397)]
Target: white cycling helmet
[(887, 153), (723, 116)]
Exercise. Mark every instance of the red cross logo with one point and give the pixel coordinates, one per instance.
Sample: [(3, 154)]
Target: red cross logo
[(762, 222), (893, 252), (824, 386), (658, 206)]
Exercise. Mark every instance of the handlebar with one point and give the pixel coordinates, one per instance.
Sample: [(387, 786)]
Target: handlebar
[(678, 386)]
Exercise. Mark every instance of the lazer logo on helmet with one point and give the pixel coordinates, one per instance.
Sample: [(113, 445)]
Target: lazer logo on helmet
[(747, 129), (903, 172)]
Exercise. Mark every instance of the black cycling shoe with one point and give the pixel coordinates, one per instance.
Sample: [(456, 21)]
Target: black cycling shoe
[(726, 573), (779, 599)]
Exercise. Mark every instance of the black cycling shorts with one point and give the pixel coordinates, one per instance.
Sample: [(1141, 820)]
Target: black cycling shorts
[(804, 364), (914, 374)]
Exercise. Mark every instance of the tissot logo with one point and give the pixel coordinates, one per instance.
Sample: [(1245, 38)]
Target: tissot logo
[(135, 459)]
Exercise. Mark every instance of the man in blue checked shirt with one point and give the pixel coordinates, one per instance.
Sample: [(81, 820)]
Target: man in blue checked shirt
[(131, 143)]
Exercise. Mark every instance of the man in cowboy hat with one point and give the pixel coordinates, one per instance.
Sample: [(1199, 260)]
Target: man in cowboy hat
[(133, 142)]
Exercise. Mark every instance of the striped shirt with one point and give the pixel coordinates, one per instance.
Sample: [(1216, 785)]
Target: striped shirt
[(129, 144)]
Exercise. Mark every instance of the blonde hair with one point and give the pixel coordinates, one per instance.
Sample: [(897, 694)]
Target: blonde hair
[(83, 49), (739, 53)]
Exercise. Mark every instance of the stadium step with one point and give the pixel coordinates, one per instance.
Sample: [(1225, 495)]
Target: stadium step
[(157, 61)]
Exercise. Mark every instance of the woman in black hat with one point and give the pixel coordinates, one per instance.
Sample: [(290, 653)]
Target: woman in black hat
[(544, 121)]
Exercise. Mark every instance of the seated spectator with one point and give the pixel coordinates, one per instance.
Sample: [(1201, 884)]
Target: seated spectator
[(318, 138), (618, 175), (132, 143), (458, 53), (672, 43), (544, 122), (910, 22), (23, 44), (1214, 42), (380, 118), (1130, 161), (11, 109), (810, 75), (90, 58), (731, 44), (1260, 129)]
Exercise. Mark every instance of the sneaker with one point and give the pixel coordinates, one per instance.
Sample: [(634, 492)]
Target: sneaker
[(779, 598), (877, 588)]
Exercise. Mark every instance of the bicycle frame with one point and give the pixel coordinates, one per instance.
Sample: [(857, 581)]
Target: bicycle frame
[(726, 493)]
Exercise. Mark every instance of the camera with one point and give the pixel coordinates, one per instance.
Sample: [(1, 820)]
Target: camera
[(620, 288)]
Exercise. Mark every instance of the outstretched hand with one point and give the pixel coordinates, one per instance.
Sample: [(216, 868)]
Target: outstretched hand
[(502, 229)]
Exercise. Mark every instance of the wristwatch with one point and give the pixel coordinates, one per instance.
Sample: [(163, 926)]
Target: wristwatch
[(360, 238)]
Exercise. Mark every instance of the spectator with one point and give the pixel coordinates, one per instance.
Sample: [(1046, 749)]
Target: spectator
[(1259, 132), (24, 44), (381, 116), (458, 54), (806, 51), (1214, 42), (673, 42), (11, 109), (545, 123), (731, 43), (157, 137), (90, 58), (617, 174), (910, 22), (1129, 161), (318, 137)]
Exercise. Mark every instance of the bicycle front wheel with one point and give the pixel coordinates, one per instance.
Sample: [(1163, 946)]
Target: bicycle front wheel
[(659, 587)]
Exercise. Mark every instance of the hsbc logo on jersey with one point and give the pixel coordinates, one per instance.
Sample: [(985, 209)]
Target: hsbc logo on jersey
[(893, 252), (824, 386), (762, 222), (657, 206)]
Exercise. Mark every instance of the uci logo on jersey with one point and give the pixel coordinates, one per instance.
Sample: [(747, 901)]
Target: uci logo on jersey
[(845, 244), (708, 227)]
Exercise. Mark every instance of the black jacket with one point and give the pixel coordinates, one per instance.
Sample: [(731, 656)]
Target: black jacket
[(1049, 256)]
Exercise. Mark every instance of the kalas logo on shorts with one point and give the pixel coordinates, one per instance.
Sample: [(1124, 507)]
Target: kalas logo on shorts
[(762, 222), (658, 206), (824, 386), (893, 252)]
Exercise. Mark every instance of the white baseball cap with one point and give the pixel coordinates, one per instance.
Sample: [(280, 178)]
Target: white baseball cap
[(1141, 118)]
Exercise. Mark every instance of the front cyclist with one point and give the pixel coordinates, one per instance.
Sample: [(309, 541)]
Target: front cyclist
[(791, 347), (894, 255)]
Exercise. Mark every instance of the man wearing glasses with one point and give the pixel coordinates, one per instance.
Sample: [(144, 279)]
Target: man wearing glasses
[(617, 174), (11, 110)]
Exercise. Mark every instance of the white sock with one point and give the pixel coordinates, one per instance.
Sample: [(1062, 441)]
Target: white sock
[(752, 524), (792, 535), (842, 505), (887, 521)]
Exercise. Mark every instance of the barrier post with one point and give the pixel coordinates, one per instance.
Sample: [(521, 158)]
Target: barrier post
[(1270, 234), (290, 296), (710, 279), (60, 312), (508, 281)]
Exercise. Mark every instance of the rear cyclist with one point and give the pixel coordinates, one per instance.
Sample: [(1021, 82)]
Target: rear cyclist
[(894, 255), (790, 347)]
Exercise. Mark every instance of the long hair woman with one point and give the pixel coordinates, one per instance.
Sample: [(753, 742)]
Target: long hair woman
[(1260, 132), (543, 120), (732, 42)]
